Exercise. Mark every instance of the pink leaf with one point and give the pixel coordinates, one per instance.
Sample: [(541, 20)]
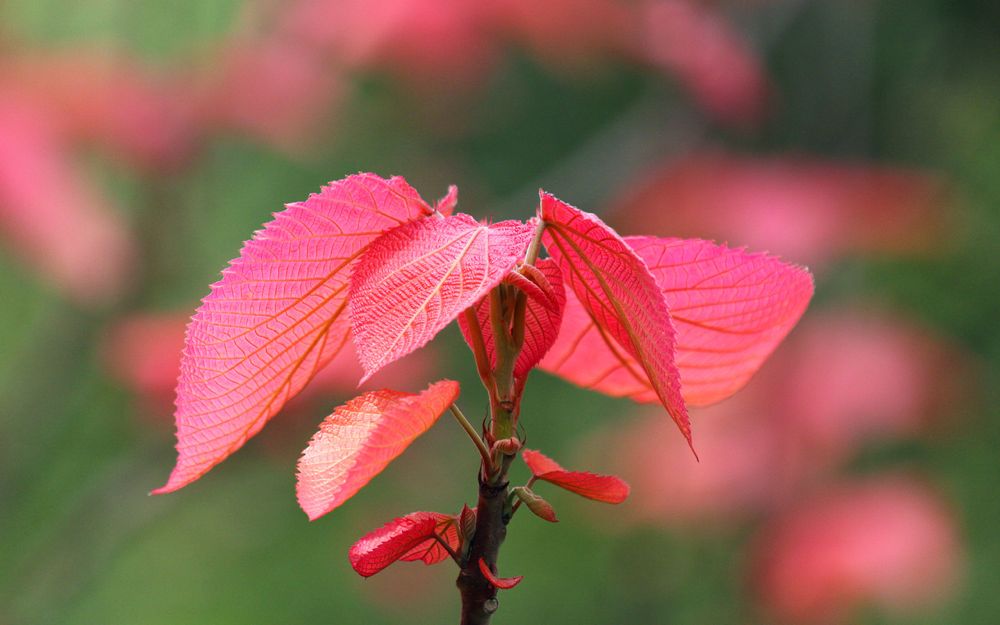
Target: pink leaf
[(277, 316), (541, 321), (621, 297), (360, 439), (730, 309), (414, 280), (380, 548), (430, 551), (503, 583), (606, 488)]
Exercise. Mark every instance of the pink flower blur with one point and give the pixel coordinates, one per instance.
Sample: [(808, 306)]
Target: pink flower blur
[(889, 542), (801, 208), (51, 216), (710, 58)]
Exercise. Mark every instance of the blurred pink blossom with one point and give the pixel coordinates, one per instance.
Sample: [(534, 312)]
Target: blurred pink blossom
[(843, 379), (889, 542), (50, 215), (432, 43), (275, 89), (107, 100), (711, 59), (565, 32), (798, 207)]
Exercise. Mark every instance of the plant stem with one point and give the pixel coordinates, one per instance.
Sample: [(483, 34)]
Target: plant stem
[(479, 597), (484, 451)]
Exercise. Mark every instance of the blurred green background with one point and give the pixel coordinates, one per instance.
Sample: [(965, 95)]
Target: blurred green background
[(909, 83)]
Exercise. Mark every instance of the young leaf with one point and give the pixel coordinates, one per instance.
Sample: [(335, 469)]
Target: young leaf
[(620, 295), (430, 551), (446, 205), (414, 280), (467, 523), (277, 316), (541, 321), (380, 548), (502, 583), (730, 309), (360, 439), (541, 508), (606, 488)]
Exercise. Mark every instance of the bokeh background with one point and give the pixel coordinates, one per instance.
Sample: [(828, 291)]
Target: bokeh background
[(853, 480)]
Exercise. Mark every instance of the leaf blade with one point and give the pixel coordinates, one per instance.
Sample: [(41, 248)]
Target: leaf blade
[(501, 583), (276, 317), (381, 547), (416, 279), (605, 488), (360, 438), (619, 294), (730, 308)]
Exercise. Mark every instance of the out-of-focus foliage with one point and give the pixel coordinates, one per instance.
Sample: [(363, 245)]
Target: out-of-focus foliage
[(141, 142)]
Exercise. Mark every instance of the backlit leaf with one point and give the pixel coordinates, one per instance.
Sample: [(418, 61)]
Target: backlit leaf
[(620, 296), (380, 548), (503, 583), (541, 321), (730, 309), (430, 551), (361, 438), (277, 316), (417, 278), (606, 488)]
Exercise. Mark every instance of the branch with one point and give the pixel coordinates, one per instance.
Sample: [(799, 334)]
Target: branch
[(484, 451)]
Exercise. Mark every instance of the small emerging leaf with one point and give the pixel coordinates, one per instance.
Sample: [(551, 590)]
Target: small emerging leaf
[(503, 583), (546, 297), (417, 278), (360, 439), (536, 504), (606, 488), (430, 551), (467, 523), (397, 538)]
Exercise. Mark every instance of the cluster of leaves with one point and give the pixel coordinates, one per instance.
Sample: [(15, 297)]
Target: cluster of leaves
[(368, 261)]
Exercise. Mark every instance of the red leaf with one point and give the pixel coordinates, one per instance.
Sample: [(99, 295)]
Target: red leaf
[(394, 540), (430, 551), (360, 439), (620, 296), (606, 488), (276, 316), (730, 309), (541, 321), (414, 280), (503, 583)]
